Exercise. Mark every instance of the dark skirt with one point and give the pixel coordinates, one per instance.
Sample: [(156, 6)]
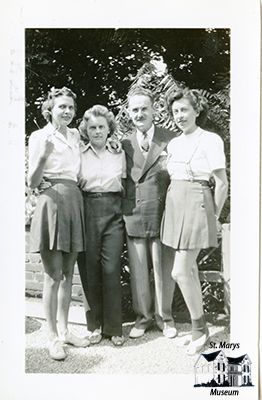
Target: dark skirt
[(189, 220), (58, 221)]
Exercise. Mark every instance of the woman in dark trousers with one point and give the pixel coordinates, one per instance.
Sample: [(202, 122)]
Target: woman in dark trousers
[(57, 229), (102, 171), (191, 215)]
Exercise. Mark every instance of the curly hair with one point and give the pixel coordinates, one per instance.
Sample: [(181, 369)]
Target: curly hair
[(48, 104), (196, 99), (140, 91), (98, 111)]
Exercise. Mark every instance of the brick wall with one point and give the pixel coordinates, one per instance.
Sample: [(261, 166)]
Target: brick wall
[(34, 275)]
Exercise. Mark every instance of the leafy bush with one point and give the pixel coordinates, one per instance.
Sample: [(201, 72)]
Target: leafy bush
[(155, 76)]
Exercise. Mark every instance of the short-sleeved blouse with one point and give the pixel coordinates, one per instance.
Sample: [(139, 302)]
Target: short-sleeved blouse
[(103, 171), (195, 155), (64, 161)]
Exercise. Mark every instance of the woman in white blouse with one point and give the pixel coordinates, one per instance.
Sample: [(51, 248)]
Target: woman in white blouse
[(191, 215), (102, 171), (57, 229)]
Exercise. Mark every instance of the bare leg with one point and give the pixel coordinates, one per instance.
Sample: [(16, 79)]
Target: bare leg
[(65, 290), (188, 282), (186, 274), (52, 262), (196, 278)]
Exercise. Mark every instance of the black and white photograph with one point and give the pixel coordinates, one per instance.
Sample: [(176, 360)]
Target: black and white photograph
[(149, 165), (135, 255)]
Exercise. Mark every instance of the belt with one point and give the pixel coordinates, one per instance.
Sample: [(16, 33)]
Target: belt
[(102, 194), (53, 181), (201, 182)]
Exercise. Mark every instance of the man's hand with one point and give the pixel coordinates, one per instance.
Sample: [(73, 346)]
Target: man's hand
[(114, 146)]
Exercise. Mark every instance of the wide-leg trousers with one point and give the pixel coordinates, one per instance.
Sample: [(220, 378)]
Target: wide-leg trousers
[(146, 254), (100, 264)]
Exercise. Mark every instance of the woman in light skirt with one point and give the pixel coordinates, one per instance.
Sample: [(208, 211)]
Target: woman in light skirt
[(190, 220), (57, 229)]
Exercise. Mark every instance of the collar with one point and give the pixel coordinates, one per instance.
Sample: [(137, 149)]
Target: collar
[(51, 130), (112, 146), (150, 132), (88, 146)]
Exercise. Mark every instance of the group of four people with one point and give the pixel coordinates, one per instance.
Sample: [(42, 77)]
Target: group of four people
[(152, 189)]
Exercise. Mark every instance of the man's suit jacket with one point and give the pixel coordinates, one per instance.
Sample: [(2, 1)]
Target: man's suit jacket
[(146, 184)]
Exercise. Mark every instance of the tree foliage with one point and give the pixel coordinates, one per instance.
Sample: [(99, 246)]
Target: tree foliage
[(101, 64)]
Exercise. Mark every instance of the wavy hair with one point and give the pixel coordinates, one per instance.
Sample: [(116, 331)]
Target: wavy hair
[(196, 99), (97, 111), (48, 104), (140, 91)]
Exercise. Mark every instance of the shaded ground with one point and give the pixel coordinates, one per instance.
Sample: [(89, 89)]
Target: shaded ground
[(152, 353)]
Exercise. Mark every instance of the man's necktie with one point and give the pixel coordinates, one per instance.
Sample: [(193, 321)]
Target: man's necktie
[(145, 142)]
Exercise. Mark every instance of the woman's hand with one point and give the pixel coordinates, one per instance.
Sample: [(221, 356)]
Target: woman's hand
[(47, 149), (219, 229), (36, 174), (221, 188), (81, 182), (43, 186)]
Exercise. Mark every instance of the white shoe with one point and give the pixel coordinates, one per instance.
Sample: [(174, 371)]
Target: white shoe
[(169, 331), (136, 333), (184, 340), (117, 340), (95, 337), (195, 346), (70, 338), (56, 350)]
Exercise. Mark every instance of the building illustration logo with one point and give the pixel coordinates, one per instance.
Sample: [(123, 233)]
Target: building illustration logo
[(217, 370)]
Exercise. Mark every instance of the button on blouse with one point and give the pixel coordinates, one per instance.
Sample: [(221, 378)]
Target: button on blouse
[(103, 171)]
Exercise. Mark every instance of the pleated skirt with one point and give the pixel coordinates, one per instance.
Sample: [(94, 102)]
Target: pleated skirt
[(189, 220), (58, 220)]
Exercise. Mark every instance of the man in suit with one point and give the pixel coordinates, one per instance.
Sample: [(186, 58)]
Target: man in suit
[(143, 205)]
